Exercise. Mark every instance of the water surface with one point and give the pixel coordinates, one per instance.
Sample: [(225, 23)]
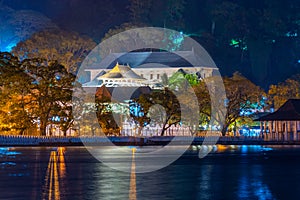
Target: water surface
[(229, 172)]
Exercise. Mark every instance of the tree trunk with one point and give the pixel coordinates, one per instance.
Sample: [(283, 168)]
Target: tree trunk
[(140, 131), (22, 130), (65, 132), (162, 133), (224, 130), (43, 125)]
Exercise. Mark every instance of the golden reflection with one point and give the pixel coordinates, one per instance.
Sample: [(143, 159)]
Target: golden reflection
[(55, 172), (132, 190), (221, 148), (62, 166)]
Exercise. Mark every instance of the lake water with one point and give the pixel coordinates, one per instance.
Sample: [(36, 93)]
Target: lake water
[(230, 172)]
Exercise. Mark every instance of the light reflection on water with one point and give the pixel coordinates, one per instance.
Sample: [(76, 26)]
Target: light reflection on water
[(229, 172), (55, 174), (252, 186), (132, 190)]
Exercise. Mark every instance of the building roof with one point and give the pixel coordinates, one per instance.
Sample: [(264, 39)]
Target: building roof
[(289, 111), (121, 71), (170, 59), (121, 94)]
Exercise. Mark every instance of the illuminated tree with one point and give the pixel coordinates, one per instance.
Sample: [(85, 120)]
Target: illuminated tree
[(279, 94), (106, 117), (51, 92), (137, 112), (167, 114), (243, 98), (68, 48), (182, 80), (204, 103), (15, 95)]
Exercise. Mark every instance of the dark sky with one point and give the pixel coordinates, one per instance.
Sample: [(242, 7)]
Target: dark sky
[(91, 17)]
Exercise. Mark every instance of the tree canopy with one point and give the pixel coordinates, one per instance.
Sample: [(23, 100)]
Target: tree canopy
[(280, 93), (38, 92), (67, 48)]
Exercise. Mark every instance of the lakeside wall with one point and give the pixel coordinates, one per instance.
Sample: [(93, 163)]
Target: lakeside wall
[(130, 141)]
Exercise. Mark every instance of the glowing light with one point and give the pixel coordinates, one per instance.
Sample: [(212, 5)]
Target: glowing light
[(9, 47), (176, 40), (57, 77), (5, 46), (221, 148), (238, 43), (291, 34), (234, 43)]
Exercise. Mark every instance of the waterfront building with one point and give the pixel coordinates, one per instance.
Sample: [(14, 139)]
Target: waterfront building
[(283, 124), (147, 67), (127, 75), (119, 76)]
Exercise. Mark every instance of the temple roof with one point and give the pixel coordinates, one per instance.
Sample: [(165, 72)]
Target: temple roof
[(139, 59), (121, 71), (289, 111)]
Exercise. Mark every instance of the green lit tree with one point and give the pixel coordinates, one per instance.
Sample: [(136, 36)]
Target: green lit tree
[(204, 103)]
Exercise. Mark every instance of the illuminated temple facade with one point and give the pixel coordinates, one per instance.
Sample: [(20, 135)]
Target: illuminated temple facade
[(145, 68)]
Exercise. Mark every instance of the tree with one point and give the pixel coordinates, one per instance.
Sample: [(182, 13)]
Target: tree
[(140, 10), (15, 95), (104, 112), (137, 109), (204, 102), (279, 94), (255, 28), (174, 16), (182, 80), (243, 98), (168, 114), (19, 25), (68, 48), (136, 37), (51, 92)]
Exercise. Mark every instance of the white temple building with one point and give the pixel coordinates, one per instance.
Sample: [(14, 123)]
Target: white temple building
[(121, 75), (145, 68)]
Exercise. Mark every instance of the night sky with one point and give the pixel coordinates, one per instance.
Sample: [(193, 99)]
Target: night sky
[(258, 38)]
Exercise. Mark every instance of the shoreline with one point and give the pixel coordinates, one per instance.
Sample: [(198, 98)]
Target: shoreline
[(40, 141)]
